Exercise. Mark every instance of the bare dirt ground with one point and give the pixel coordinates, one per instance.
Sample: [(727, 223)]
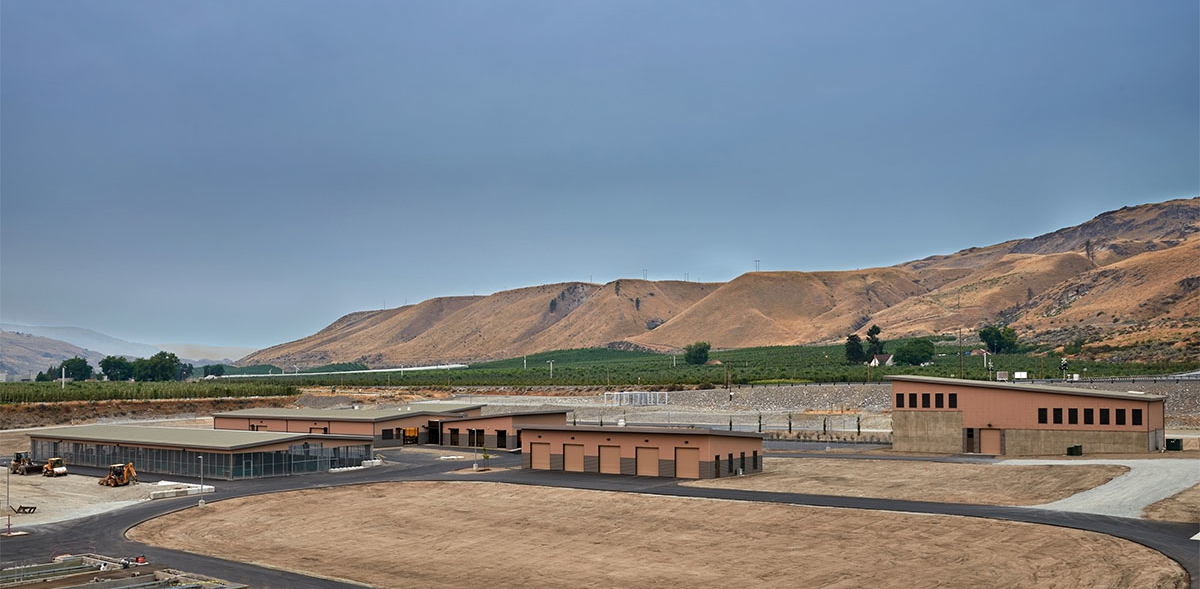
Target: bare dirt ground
[(922, 481), (67, 497), (433, 534), (1182, 507)]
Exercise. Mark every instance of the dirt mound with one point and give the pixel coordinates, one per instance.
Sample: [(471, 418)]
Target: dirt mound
[(22, 415)]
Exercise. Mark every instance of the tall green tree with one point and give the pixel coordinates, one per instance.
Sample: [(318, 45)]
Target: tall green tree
[(874, 344), (1000, 339), (854, 349), (116, 368), (915, 352), (77, 368), (214, 370), (696, 353), (160, 367)]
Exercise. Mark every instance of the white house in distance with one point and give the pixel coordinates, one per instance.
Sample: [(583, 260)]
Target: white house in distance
[(881, 360)]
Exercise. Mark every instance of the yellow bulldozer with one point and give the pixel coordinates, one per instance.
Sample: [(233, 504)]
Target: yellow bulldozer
[(119, 475), (55, 467), (21, 464)]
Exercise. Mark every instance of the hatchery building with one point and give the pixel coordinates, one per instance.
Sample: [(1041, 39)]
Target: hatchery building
[(688, 453), (412, 424), (500, 431), (932, 414), (223, 454)]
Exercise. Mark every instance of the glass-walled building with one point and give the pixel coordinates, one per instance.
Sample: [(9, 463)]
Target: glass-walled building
[(222, 454)]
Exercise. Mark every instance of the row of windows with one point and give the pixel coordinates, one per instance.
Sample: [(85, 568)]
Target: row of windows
[(741, 463), (475, 438), (939, 400), (1089, 416)]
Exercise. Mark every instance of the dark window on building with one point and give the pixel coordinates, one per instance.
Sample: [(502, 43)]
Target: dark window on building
[(717, 465), (1089, 416), (900, 400), (453, 436), (953, 400), (387, 434), (1042, 414), (1073, 416), (912, 400), (925, 400), (939, 401), (1104, 417), (731, 462), (1120, 417), (743, 462), (1137, 417), (1058, 415), (501, 438), (754, 463)]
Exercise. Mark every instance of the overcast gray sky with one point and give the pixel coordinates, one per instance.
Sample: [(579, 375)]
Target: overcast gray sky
[(243, 173)]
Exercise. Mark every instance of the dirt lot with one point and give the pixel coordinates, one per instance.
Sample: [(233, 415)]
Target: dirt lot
[(922, 481), (68, 497), (1183, 507), (488, 534)]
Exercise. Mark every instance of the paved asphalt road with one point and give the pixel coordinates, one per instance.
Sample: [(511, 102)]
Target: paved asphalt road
[(105, 533)]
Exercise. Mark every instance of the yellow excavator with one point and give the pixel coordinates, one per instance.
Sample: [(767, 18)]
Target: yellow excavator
[(55, 467), (21, 464), (119, 475)]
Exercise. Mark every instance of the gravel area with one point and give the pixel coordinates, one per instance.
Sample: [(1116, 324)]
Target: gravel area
[(1147, 482)]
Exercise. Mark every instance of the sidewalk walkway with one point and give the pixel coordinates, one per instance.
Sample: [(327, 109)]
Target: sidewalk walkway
[(1148, 481)]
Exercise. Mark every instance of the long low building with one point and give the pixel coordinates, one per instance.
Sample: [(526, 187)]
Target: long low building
[(688, 453), (413, 424), (932, 414), (223, 454), (500, 431)]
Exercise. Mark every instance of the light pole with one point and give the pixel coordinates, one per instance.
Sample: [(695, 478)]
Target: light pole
[(201, 459), (7, 501)]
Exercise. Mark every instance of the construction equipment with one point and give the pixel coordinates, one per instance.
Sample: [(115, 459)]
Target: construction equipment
[(119, 475), (21, 464), (55, 467)]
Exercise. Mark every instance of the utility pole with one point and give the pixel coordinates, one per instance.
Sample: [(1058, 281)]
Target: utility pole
[(756, 265), (64, 375), (644, 274), (551, 363)]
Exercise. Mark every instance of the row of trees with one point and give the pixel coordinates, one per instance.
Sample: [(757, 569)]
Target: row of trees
[(161, 367), (999, 339)]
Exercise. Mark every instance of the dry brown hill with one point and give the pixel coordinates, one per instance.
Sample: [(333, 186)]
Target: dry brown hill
[(778, 308), (1125, 274), (25, 354)]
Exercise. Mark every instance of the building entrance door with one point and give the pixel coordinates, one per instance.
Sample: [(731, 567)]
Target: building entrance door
[(539, 456), (610, 459), (989, 442), (647, 462)]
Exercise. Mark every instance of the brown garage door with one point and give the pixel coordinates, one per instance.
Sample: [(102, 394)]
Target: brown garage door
[(573, 457), (989, 441), (539, 456), (610, 459), (647, 462), (687, 463)]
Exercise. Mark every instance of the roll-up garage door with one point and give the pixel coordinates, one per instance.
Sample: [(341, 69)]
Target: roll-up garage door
[(610, 459), (573, 457), (989, 441), (687, 463), (647, 462), (539, 455)]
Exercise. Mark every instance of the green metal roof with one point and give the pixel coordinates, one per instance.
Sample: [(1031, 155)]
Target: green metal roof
[(1026, 387), (208, 439), (371, 415)]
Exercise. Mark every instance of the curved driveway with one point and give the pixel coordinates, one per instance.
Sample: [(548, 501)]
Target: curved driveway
[(105, 533)]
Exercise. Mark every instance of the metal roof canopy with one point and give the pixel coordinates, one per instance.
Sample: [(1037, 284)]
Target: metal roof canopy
[(514, 414), (372, 415), (1024, 387), (181, 437), (678, 431)]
